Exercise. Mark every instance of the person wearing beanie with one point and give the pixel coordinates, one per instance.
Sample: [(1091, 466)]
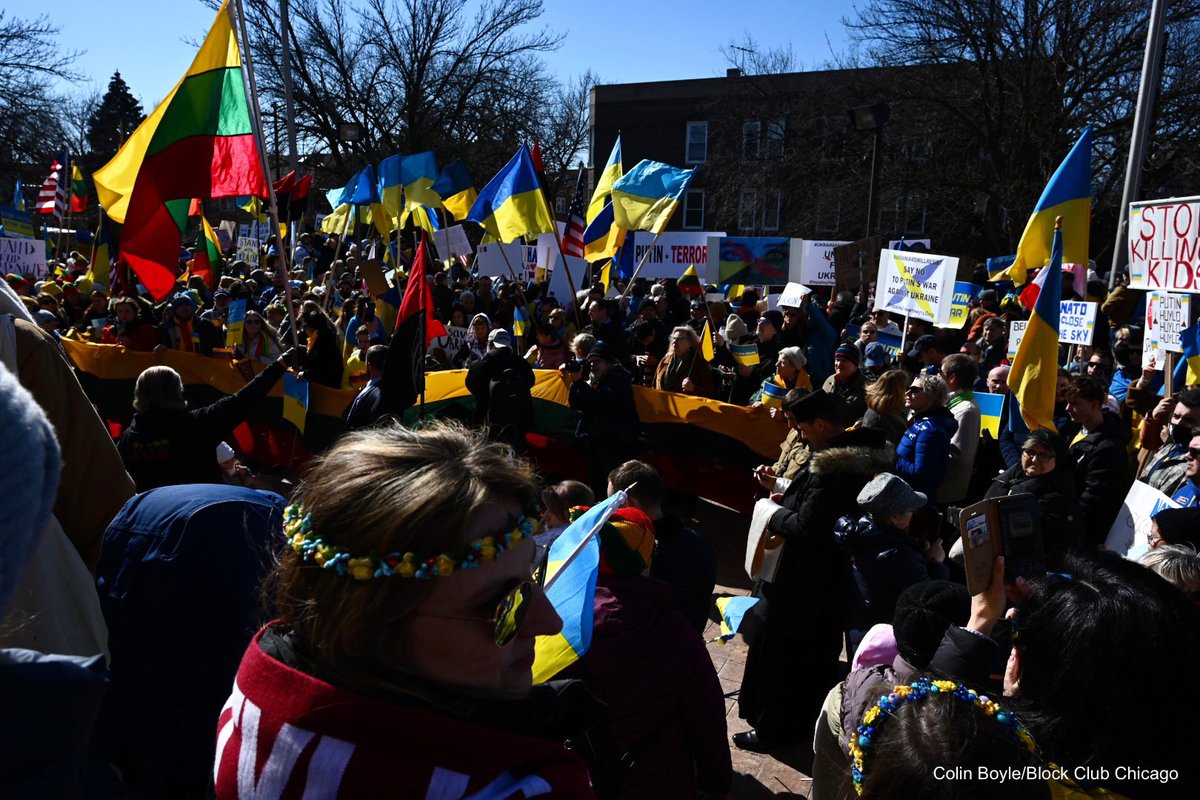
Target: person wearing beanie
[(1175, 526), (665, 707), (887, 559), (847, 384), (185, 332), (500, 382), (790, 373), (924, 612)]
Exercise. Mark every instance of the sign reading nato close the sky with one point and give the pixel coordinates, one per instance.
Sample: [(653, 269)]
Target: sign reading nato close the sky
[(917, 285)]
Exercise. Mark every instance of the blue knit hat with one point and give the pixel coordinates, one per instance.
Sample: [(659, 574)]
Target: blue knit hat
[(32, 463)]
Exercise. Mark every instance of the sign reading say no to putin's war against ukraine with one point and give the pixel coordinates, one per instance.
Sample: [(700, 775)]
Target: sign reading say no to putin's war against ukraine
[(917, 285)]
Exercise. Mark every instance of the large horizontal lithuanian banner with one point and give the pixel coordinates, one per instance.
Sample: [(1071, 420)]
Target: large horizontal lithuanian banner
[(703, 447)]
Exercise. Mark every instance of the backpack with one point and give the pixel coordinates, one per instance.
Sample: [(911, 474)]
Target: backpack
[(510, 403)]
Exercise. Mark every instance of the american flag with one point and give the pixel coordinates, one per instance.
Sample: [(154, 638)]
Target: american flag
[(572, 244), (52, 199)]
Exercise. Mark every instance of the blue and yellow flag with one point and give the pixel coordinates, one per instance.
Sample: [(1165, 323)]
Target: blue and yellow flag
[(606, 277), (645, 198), (513, 203), (707, 351), (520, 320), (571, 572), (391, 189), (235, 325), (991, 407), (418, 173), (744, 354), (773, 394), (1034, 374), (254, 207), (604, 182), (457, 190), (733, 610), (1068, 195), (19, 195), (602, 237), (295, 400), (360, 190), (1187, 368)]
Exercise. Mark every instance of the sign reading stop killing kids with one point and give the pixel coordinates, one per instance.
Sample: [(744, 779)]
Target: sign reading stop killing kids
[(919, 285), (1164, 245)]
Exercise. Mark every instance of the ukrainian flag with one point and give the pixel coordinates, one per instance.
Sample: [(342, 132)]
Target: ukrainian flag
[(418, 174), (604, 182), (456, 189), (602, 238), (744, 354), (295, 400), (773, 394), (391, 188), (571, 572), (520, 321), (362, 189), (513, 203), (1187, 368), (236, 325), (991, 407), (645, 198), (1034, 373), (733, 610), (1067, 195), (706, 344)]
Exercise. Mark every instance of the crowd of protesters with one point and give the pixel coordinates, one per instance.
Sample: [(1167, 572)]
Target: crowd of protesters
[(378, 624)]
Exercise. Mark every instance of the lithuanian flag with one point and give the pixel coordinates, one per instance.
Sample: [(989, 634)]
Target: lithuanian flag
[(689, 282), (79, 192), (209, 261), (199, 142)]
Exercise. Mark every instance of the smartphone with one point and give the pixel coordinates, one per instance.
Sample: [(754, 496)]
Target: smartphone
[(1003, 526)]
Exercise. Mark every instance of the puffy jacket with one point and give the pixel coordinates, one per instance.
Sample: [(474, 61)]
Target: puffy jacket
[(923, 455), (886, 562)]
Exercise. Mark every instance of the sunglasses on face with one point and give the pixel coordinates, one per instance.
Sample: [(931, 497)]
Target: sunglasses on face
[(914, 390), (1038, 455), (513, 608), (1193, 453)]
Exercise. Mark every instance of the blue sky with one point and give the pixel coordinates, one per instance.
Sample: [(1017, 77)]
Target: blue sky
[(648, 40)]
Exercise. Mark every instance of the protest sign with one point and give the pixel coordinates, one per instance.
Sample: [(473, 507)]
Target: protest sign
[(452, 342), (452, 242), (1166, 317), (1164, 245), (674, 252), (792, 296), (815, 265), (964, 295), (919, 285), (857, 263), (1016, 332), (491, 261), (919, 245), (16, 224), (750, 260), (560, 288), (247, 250), (1129, 534), (1076, 322), (22, 257), (990, 408)]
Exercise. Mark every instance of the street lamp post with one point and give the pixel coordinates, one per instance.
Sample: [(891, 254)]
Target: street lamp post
[(872, 118)]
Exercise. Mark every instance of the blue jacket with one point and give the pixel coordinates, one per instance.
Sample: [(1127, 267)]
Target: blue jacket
[(923, 455), (822, 341), (179, 577)]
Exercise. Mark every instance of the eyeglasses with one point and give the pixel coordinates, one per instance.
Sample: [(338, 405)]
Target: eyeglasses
[(1038, 455), (914, 390), (1094, 364), (1193, 453), (513, 608)]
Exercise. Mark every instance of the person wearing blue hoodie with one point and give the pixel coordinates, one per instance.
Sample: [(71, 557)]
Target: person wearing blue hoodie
[(923, 455)]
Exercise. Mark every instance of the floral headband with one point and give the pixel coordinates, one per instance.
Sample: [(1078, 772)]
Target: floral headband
[(297, 524), (864, 736)]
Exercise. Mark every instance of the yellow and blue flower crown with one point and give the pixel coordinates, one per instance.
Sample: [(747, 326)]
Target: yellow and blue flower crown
[(297, 524), (864, 736)]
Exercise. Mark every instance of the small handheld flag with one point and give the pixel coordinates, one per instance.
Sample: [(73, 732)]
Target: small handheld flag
[(733, 610), (295, 400), (745, 354), (706, 343), (689, 282), (773, 394)]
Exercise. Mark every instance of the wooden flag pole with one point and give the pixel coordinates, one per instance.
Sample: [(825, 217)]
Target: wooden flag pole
[(570, 282), (512, 272), (256, 120)]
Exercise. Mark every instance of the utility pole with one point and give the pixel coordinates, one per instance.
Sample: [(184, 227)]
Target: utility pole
[(285, 50)]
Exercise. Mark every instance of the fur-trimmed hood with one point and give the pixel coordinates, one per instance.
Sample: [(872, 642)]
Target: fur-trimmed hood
[(858, 453)]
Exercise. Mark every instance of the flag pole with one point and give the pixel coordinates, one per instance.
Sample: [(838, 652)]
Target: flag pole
[(256, 121), (640, 264), (424, 312), (570, 280)]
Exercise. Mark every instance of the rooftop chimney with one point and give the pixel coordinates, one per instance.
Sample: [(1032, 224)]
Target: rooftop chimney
[(733, 72)]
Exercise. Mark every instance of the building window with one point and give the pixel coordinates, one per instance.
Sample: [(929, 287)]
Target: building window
[(748, 211), (829, 219), (560, 205), (697, 143), (693, 210), (772, 204), (751, 139), (916, 216), (776, 129)]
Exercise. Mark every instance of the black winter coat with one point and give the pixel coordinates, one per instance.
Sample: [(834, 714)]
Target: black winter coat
[(1101, 474), (1057, 502), (607, 411), (165, 447), (886, 562)]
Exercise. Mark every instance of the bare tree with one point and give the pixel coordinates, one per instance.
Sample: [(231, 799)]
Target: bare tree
[(30, 62), (751, 58)]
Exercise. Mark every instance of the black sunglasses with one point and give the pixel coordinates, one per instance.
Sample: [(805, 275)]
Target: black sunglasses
[(513, 608)]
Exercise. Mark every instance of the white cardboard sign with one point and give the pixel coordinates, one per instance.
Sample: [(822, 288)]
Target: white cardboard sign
[(1164, 245), (919, 285), (22, 257), (1128, 535), (1076, 322)]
